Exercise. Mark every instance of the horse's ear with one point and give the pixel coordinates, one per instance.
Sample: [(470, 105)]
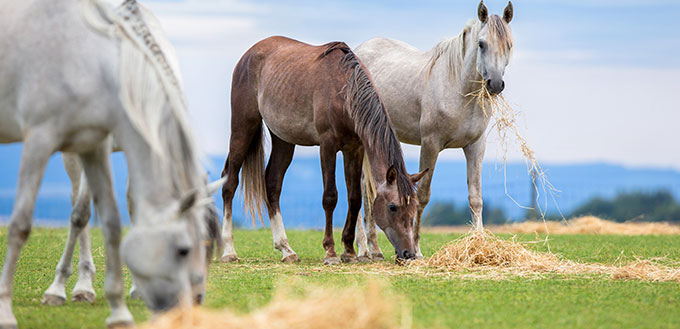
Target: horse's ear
[(391, 175), (508, 12), (417, 177), (482, 12), (216, 185), (188, 201)]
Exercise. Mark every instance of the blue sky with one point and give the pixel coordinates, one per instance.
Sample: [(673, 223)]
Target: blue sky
[(594, 80)]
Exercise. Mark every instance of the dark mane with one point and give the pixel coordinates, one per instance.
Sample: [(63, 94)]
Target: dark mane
[(371, 121), (335, 45)]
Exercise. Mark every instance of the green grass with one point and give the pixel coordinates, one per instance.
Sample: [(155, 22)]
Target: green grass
[(554, 302)]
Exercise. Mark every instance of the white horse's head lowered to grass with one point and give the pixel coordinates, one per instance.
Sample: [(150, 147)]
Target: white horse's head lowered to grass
[(494, 46), (169, 261)]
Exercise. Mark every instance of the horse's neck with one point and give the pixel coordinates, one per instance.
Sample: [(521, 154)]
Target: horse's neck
[(379, 166), (149, 184)]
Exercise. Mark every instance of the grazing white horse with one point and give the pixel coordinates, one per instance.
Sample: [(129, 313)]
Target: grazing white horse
[(81, 198), (427, 95), (72, 74)]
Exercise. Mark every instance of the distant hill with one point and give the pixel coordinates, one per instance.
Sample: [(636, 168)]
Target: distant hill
[(301, 197)]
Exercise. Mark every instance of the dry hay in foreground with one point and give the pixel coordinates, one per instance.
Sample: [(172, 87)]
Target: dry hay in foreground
[(591, 225), (354, 308), (493, 257)]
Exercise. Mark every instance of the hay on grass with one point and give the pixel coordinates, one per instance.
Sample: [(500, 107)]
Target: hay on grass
[(354, 308), (591, 225), (493, 257)]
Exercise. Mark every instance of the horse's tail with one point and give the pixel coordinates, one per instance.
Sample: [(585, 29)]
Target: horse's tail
[(369, 185), (252, 177)]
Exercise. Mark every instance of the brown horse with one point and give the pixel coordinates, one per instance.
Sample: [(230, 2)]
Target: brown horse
[(314, 95)]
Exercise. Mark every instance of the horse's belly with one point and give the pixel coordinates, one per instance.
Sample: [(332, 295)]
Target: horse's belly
[(10, 130), (291, 125)]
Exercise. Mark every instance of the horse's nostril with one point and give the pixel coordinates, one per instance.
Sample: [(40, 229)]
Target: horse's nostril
[(502, 84), (488, 84)]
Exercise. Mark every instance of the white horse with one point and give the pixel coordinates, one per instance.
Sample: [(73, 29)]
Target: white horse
[(73, 73), (81, 199), (427, 95)]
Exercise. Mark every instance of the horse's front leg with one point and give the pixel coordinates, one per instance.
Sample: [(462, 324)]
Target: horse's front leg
[(330, 199), (36, 152), (429, 151), (370, 233), (98, 171), (474, 156), (352, 164)]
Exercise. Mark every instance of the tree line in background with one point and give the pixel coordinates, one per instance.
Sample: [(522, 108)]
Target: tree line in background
[(636, 206)]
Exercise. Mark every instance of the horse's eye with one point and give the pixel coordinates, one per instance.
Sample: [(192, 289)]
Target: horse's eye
[(392, 207), (182, 252), (481, 45)]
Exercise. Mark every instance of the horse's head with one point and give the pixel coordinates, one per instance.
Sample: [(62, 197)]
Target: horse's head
[(169, 259), (494, 46), (394, 213)]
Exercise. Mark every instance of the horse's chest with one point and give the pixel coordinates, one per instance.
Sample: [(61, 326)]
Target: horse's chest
[(460, 128)]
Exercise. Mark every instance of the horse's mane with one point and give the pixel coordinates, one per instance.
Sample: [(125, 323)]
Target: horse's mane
[(453, 50), (151, 92), (371, 120)]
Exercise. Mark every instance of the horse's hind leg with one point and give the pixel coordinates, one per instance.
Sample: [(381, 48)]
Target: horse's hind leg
[(98, 171), (78, 225), (279, 160), (246, 124), (352, 164), (36, 152)]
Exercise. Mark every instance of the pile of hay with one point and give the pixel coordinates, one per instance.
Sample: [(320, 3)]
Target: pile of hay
[(591, 225), (492, 257), (354, 308)]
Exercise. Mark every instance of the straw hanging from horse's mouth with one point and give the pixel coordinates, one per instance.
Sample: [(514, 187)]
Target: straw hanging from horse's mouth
[(505, 121)]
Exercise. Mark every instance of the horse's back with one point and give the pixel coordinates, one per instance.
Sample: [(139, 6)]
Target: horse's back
[(51, 66), (397, 70), (288, 79)]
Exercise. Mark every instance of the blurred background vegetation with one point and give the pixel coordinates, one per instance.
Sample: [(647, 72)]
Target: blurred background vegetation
[(659, 206)]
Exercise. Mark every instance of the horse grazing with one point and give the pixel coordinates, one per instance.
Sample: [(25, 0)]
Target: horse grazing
[(428, 97), (314, 95), (81, 198), (79, 75)]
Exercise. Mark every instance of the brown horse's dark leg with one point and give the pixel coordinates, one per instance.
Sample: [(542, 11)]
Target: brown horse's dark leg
[(330, 199), (246, 125), (282, 154), (352, 163)]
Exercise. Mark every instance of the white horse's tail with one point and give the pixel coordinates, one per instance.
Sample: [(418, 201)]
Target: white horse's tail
[(369, 184)]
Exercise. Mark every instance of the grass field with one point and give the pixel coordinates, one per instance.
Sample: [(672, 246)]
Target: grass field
[(542, 302)]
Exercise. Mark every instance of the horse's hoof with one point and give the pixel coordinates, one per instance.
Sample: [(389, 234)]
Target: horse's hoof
[(229, 258), (364, 259), (348, 258), (135, 294), (291, 259), (53, 300), (377, 256), (331, 260), (84, 296), (419, 256), (9, 325), (120, 325)]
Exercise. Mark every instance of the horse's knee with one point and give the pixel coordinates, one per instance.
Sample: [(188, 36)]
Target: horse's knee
[(476, 203), (330, 199), (20, 229), (81, 214)]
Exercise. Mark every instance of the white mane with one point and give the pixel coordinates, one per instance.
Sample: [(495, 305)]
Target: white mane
[(150, 89), (452, 51)]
